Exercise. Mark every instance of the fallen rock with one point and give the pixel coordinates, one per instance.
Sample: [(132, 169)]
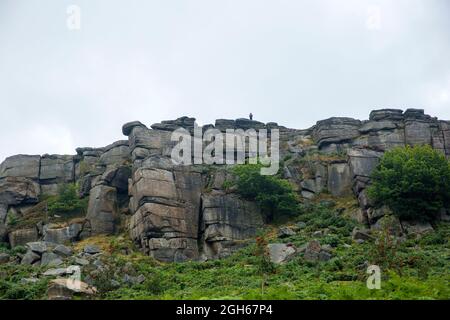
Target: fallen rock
[(22, 236), (50, 259), (285, 232), (38, 247), (57, 272), (358, 234), (30, 258), (4, 258), (91, 249), (312, 251), (416, 227), (62, 251), (281, 253), (65, 289), (81, 261)]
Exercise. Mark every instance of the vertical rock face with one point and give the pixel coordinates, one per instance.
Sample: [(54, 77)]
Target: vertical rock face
[(166, 202), (102, 210), (226, 218)]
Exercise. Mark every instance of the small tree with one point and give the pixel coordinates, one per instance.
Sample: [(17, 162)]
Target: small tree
[(275, 196), (413, 181)]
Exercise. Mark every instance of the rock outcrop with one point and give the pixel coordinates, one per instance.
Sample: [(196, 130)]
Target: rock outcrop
[(178, 213)]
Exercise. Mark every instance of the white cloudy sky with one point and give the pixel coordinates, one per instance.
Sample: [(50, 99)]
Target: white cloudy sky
[(292, 62)]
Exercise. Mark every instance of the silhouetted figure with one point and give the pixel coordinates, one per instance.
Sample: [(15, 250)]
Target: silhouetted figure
[(250, 116)]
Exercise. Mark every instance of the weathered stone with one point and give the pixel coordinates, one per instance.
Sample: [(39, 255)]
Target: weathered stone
[(102, 210), (358, 234), (389, 224), (285, 232), (91, 249), (339, 179), (50, 259), (57, 169), (363, 161), (228, 217), (57, 234), (22, 236), (23, 166), (386, 114), (324, 255), (18, 190), (312, 251), (116, 153), (65, 289), (416, 227), (38, 247), (280, 252), (118, 178), (57, 272), (336, 130), (62, 251), (417, 133), (128, 127), (30, 258)]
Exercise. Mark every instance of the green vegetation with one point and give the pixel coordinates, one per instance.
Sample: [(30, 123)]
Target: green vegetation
[(67, 201), (413, 181), (274, 195), (416, 270)]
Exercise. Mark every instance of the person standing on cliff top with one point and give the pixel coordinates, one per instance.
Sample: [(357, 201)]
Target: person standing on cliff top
[(250, 116)]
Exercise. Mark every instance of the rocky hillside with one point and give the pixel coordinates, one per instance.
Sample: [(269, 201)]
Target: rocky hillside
[(185, 213)]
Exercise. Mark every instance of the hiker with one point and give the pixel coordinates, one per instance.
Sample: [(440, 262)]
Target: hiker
[(250, 116)]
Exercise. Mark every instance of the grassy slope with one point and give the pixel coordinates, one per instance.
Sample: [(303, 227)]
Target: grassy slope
[(416, 269)]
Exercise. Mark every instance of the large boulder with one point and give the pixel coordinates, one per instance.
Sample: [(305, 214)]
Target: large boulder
[(56, 169), (22, 236), (102, 210), (65, 289), (281, 253)]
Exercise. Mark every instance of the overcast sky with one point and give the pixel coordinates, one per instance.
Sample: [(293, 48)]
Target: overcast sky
[(292, 62)]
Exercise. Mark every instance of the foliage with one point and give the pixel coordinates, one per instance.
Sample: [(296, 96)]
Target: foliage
[(274, 195), (67, 201), (413, 181), (13, 285)]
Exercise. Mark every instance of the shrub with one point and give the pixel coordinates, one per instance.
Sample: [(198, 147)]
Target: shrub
[(413, 181), (67, 200), (274, 195)]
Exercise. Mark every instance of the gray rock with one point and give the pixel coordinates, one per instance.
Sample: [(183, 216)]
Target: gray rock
[(416, 227), (339, 179), (56, 272), (312, 251), (81, 261), (63, 251), (30, 258), (22, 236), (102, 210), (358, 234), (363, 161), (38, 247), (4, 258), (336, 131), (60, 235), (128, 127), (24, 166), (50, 259), (324, 256), (301, 225), (18, 190), (281, 253), (91, 249), (386, 114), (285, 232)]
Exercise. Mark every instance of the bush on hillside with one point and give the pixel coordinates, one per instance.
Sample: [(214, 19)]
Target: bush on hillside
[(413, 181)]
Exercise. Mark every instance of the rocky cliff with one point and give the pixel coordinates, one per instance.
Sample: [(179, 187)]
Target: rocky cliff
[(178, 213)]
